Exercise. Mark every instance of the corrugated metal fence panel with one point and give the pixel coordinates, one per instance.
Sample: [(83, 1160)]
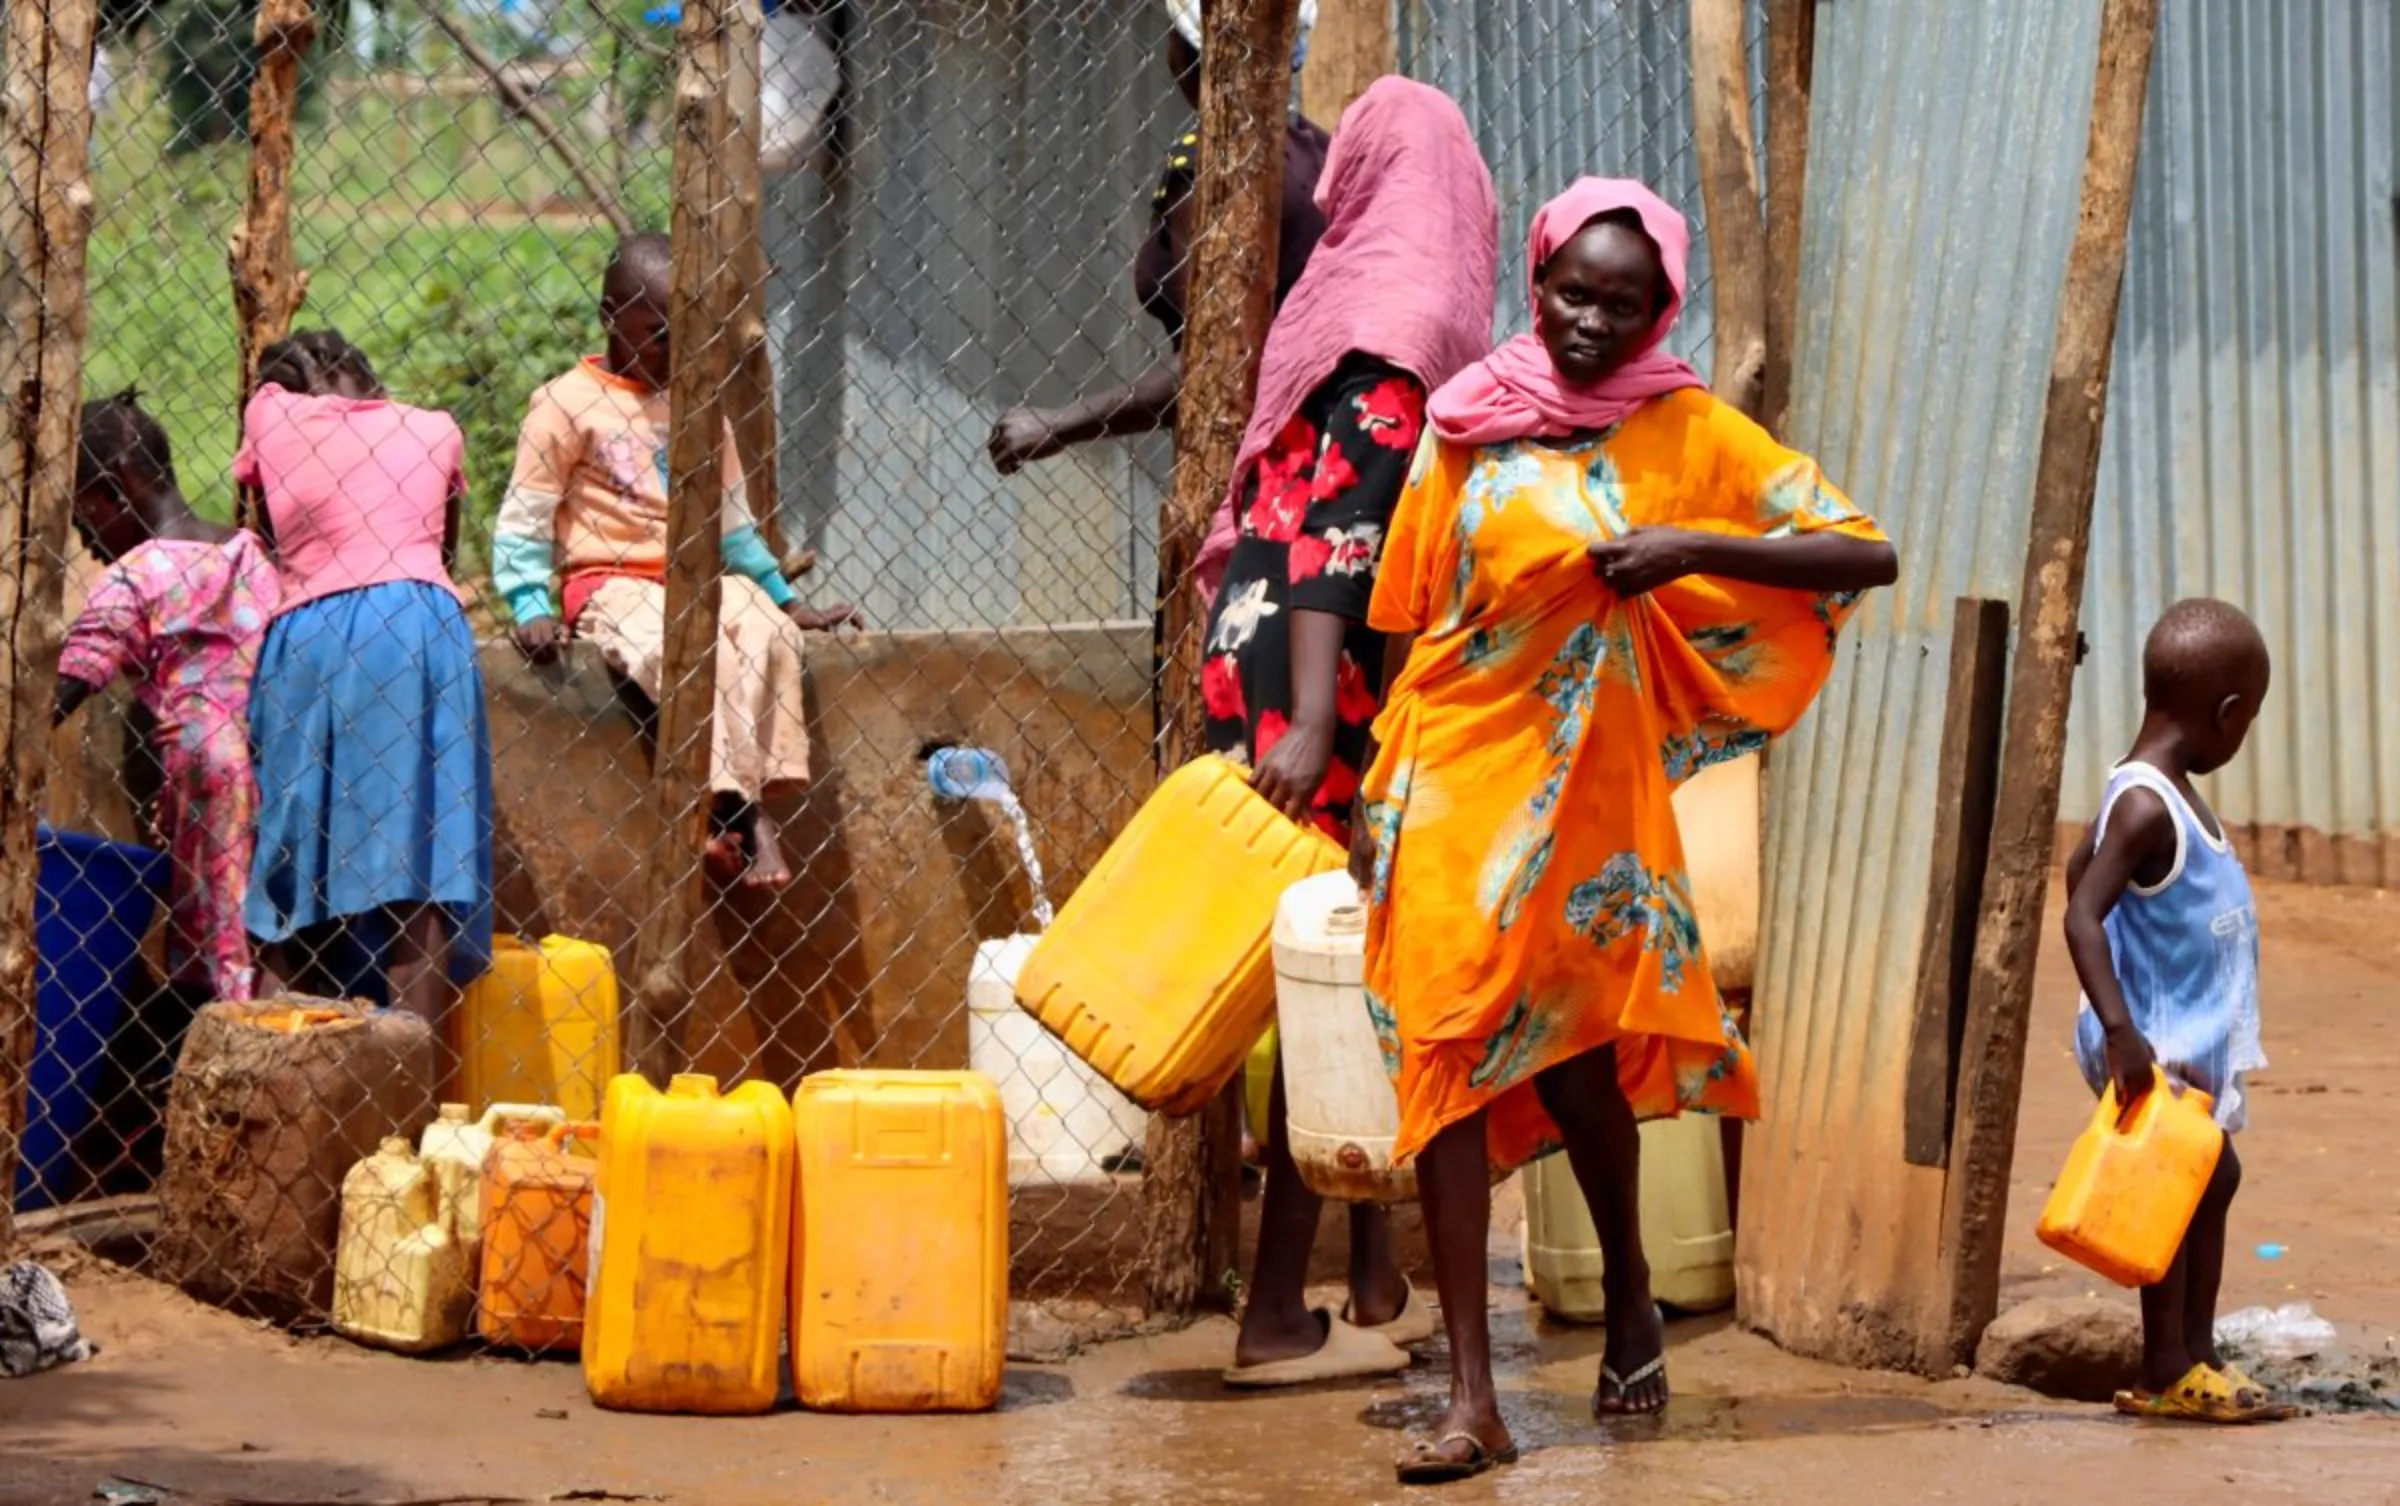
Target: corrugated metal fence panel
[(1557, 89), (1945, 157), (2253, 442)]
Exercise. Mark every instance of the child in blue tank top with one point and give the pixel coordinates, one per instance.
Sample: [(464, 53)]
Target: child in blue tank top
[(2165, 940)]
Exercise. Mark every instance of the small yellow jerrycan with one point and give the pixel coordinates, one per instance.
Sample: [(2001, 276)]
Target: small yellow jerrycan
[(2133, 1182), (401, 1275), (540, 1027), (457, 1148)]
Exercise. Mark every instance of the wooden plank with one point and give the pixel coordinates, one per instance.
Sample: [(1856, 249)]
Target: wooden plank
[(1191, 1196), (2041, 684), (1791, 64), (45, 226), (1967, 775), (1737, 237)]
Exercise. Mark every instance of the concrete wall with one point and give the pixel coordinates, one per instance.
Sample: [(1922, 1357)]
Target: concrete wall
[(864, 960)]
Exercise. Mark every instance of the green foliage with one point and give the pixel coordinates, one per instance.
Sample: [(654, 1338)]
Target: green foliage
[(209, 63)]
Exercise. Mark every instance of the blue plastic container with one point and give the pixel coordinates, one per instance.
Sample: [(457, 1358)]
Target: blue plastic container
[(92, 903)]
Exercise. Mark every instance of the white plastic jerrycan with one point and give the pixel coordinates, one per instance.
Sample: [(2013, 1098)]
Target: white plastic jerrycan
[(1066, 1124), (1685, 1231), (1341, 1114), (456, 1147)]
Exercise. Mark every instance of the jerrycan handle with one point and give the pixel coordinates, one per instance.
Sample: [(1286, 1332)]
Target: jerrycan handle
[(501, 1114), (2124, 1122), (568, 1130)]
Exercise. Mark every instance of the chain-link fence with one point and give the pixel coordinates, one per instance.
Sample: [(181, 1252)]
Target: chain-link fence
[(960, 200)]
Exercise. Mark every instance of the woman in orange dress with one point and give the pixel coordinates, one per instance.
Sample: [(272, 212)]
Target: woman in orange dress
[(1598, 581)]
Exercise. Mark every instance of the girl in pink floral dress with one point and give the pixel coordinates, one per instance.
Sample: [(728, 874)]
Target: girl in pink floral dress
[(182, 610)]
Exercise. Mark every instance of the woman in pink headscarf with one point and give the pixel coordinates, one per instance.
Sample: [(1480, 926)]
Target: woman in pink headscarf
[(1396, 299), (1598, 580)]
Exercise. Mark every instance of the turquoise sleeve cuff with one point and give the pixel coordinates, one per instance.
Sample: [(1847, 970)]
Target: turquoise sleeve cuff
[(521, 575), (745, 553)]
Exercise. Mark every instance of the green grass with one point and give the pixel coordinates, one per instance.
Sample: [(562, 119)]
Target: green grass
[(433, 236)]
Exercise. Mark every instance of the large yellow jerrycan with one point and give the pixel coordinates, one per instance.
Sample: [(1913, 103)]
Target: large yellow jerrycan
[(401, 1279), (900, 1255), (690, 1246), (2133, 1182), (540, 1027), (1157, 971), (1686, 1233)]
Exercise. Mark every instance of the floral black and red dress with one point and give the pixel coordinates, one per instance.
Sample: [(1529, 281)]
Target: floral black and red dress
[(1312, 517)]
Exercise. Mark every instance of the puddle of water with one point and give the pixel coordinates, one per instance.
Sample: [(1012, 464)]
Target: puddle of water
[(1546, 1419)]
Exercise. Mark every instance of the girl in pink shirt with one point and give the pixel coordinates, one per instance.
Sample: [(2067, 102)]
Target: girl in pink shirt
[(374, 867)]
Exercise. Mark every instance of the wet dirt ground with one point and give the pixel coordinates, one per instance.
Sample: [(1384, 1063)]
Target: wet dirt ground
[(220, 1411)]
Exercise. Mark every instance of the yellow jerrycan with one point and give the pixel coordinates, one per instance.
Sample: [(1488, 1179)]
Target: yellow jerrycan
[(690, 1247), (2132, 1183), (1686, 1233), (1157, 971), (540, 1027), (900, 1248), (401, 1279)]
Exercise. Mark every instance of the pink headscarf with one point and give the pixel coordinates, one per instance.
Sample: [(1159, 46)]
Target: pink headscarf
[(1406, 271), (1515, 392)]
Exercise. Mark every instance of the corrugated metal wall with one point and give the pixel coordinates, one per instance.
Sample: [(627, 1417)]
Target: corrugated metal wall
[(2253, 442), (1556, 89), (1945, 155)]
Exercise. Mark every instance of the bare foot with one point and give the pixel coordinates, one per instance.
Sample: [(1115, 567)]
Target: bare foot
[(726, 858), (769, 869), (1633, 1365)]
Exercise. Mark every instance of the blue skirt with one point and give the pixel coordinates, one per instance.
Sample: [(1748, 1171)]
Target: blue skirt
[(374, 766)]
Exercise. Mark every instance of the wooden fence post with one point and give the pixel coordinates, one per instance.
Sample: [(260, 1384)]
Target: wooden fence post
[(1191, 1196), (1791, 64), (45, 221), (750, 385), (2042, 682), (1737, 237), (1352, 48), (673, 946), (268, 285)]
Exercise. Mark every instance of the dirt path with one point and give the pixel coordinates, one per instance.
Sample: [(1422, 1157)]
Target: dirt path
[(222, 1411)]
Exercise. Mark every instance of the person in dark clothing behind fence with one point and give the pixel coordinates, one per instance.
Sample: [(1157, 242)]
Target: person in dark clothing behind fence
[(1025, 434)]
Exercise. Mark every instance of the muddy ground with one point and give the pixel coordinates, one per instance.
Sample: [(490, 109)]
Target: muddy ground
[(218, 1410)]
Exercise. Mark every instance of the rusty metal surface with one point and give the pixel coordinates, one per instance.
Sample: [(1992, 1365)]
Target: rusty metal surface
[(1945, 156)]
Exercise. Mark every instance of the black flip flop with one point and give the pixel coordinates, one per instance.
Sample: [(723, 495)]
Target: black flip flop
[(1427, 1467)]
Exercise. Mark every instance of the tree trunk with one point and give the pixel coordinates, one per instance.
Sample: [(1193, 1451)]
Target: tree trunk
[(2042, 680), (1737, 237), (1192, 1194), (45, 221), (268, 285), (1791, 63), (750, 387), (1351, 49), (718, 38)]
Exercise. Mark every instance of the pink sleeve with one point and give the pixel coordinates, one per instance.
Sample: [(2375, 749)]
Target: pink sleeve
[(112, 634)]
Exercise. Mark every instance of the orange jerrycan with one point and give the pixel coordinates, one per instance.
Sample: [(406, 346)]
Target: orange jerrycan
[(1158, 970), (540, 1027), (691, 1245), (2133, 1182), (900, 1245), (537, 1222)]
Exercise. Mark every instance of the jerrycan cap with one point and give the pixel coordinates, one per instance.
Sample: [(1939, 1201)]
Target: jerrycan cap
[(1346, 920), (395, 1147), (451, 1113), (692, 1085)]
